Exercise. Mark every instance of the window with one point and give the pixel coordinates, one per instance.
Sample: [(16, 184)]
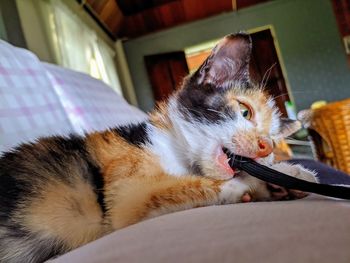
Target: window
[(78, 47)]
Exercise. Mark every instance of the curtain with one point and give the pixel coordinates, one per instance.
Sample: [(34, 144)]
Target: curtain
[(78, 47), (105, 61)]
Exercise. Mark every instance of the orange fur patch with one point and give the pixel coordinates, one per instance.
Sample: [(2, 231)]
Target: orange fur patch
[(258, 101), (68, 213), (136, 199), (118, 159), (160, 117)]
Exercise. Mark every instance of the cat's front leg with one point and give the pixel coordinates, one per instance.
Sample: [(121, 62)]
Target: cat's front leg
[(136, 199), (236, 190), (294, 170)]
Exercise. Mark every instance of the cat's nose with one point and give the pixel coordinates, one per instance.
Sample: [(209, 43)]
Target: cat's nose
[(264, 147)]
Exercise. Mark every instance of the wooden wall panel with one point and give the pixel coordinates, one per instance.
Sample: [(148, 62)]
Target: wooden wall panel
[(342, 13), (165, 72)]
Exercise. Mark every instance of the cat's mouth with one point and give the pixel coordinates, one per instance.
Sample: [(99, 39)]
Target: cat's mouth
[(222, 158)]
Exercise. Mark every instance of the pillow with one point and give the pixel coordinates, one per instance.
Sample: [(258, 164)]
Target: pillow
[(89, 103), (29, 107)]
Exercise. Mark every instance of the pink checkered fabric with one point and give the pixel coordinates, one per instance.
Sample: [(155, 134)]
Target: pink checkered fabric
[(89, 103), (40, 99), (29, 107)]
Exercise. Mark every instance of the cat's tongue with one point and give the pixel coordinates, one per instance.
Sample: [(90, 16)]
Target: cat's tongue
[(222, 161)]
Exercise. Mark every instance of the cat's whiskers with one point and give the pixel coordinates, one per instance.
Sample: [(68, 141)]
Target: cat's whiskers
[(192, 110), (219, 112), (294, 92), (267, 76), (209, 109), (283, 94)]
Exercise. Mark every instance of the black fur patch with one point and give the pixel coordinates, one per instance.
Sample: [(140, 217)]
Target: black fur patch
[(135, 134), (98, 183), (29, 165), (12, 188), (76, 144), (204, 104), (10, 194)]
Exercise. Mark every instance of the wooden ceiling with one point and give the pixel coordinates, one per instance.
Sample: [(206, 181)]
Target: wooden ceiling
[(133, 7), (133, 18)]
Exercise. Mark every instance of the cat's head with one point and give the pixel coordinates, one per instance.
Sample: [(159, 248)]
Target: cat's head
[(219, 107)]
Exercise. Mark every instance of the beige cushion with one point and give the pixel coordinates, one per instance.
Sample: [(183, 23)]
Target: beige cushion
[(309, 230)]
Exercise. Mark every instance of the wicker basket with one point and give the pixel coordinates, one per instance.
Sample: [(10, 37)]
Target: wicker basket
[(329, 129)]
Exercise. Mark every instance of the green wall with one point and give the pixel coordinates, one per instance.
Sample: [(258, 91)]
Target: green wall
[(10, 26), (3, 34), (307, 34)]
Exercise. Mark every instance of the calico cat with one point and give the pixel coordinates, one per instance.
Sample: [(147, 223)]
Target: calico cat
[(59, 193)]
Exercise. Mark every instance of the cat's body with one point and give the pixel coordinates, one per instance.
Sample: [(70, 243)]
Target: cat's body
[(59, 193)]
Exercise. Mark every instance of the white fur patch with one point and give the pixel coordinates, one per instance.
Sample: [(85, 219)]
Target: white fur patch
[(232, 191), (166, 147), (275, 122)]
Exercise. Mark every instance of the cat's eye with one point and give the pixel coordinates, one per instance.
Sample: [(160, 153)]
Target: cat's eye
[(245, 111)]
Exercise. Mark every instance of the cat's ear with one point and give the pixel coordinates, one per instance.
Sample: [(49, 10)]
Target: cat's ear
[(228, 62), (288, 127)]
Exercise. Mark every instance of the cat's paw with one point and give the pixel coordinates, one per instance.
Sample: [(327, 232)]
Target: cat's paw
[(297, 171), (234, 191)]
